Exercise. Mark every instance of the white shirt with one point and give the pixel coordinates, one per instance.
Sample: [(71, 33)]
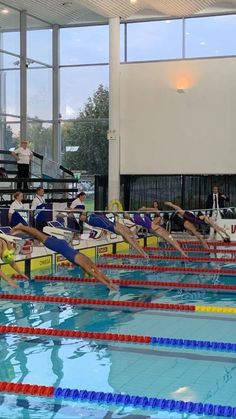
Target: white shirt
[(37, 201), (15, 205), (23, 154), (76, 203)]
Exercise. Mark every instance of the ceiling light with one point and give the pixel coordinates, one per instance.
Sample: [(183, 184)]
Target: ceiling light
[(133, 1), (5, 11), (202, 43)]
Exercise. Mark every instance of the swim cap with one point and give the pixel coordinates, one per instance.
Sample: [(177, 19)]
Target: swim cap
[(8, 255)]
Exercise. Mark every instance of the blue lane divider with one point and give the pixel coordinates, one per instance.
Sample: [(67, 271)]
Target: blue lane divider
[(193, 344), (146, 402)]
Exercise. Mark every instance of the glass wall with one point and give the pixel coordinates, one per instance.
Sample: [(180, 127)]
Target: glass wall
[(9, 77), (159, 40), (84, 97), (84, 77), (39, 86)]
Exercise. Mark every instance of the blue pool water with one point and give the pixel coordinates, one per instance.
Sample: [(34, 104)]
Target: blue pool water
[(180, 374)]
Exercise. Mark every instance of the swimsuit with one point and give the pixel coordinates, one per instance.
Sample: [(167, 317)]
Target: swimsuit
[(62, 247), (101, 221), (142, 220)]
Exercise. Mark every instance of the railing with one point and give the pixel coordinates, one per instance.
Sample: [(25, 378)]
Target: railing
[(56, 190), (40, 166)]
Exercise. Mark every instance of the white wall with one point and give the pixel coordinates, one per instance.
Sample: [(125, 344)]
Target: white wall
[(165, 132)]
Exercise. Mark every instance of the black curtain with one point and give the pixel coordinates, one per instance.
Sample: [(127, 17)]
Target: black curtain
[(138, 191), (189, 191)]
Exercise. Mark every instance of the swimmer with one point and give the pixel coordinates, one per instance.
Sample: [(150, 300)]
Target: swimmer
[(155, 209), (7, 255), (102, 221), (144, 221), (189, 221), (62, 247)]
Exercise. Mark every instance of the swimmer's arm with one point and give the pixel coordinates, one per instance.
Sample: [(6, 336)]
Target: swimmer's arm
[(7, 279), (175, 207), (15, 267)]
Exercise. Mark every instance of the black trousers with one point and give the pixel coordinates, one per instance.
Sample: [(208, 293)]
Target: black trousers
[(22, 172)]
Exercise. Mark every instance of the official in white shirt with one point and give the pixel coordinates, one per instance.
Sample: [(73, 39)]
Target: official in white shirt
[(38, 205), (78, 203), (23, 156), (14, 216)]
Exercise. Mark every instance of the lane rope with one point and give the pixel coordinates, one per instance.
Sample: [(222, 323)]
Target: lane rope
[(134, 283), (95, 302), (99, 397), (169, 269), (176, 343), (190, 250), (117, 303), (168, 257)]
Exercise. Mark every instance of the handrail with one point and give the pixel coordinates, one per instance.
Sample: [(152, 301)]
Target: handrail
[(40, 179), (7, 152), (64, 169)]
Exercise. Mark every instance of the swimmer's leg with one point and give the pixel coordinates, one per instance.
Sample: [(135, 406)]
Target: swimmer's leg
[(190, 227), (90, 267), (165, 235), (31, 231)]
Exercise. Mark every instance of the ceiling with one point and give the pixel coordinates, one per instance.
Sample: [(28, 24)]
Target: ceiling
[(71, 12)]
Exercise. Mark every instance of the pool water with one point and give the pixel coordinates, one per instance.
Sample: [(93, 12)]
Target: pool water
[(152, 371)]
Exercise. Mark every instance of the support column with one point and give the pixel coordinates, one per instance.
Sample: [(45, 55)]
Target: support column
[(114, 110), (56, 135), (23, 74)]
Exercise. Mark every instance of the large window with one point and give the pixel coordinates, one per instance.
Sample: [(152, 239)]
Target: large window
[(39, 41), (9, 78), (77, 85), (40, 93), (210, 36), (159, 40), (85, 45), (9, 29), (39, 135), (84, 97)]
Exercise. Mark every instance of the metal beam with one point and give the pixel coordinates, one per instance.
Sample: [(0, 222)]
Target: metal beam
[(23, 74), (56, 139)]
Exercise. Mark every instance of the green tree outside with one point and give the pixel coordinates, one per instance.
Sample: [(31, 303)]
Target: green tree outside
[(88, 132)]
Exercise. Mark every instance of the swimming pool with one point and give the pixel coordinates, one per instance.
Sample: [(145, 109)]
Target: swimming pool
[(157, 371)]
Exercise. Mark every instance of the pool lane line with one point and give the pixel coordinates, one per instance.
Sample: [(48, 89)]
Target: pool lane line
[(169, 257), (209, 242), (176, 343), (102, 398), (190, 249), (97, 302), (169, 269), (118, 304), (134, 283)]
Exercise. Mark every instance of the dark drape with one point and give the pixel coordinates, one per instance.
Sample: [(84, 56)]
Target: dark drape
[(189, 191)]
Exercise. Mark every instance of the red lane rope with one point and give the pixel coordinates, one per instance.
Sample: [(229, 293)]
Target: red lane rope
[(135, 283), (89, 301), (192, 249), (180, 269), (211, 243), (30, 389), (168, 257), (74, 334)]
